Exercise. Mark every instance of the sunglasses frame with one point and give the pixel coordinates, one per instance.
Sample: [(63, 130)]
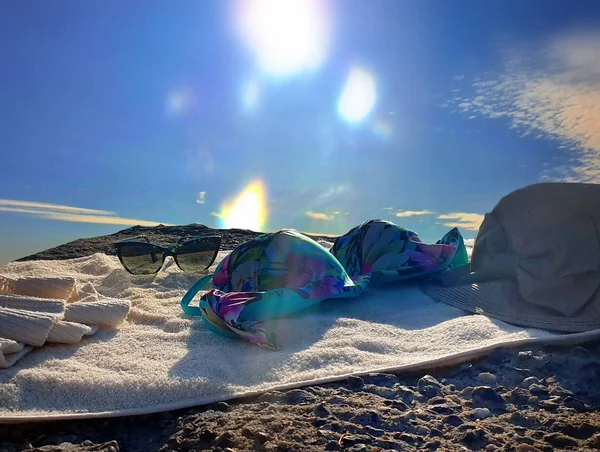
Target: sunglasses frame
[(166, 251)]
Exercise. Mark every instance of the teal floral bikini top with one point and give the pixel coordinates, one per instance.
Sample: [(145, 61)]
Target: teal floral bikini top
[(285, 272)]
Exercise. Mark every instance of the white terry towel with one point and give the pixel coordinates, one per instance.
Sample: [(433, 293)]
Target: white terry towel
[(10, 352), (29, 327), (109, 312), (60, 288), (32, 304), (69, 332)]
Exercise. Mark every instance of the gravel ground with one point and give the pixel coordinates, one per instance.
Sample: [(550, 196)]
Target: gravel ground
[(534, 399)]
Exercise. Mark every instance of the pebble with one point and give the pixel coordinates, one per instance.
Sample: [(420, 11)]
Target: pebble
[(481, 413), (428, 380), (388, 380), (467, 392), (382, 391), (429, 390), (296, 396), (453, 420), (518, 395), (484, 396), (321, 411), (355, 382), (527, 382), (538, 389), (486, 378), (576, 404), (405, 393)]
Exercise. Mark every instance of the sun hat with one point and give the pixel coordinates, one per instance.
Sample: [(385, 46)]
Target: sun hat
[(535, 262), (392, 253), (273, 275)]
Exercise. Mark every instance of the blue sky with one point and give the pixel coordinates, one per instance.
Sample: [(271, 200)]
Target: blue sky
[(306, 114)]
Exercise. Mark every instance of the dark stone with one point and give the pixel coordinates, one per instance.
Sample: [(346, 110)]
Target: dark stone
[(387, 380), (518, 396), (321, 411), (355, 383), (453, 420), (428, 380), (442, 409), (225, 440), (435, 432), (297, 396), (576, 404), (406, 437), (429, 391), (398, 404), (538, 389), (473, 436), (484, 396), (219, 406)]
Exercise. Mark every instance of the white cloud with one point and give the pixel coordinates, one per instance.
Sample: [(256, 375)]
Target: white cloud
[(412, 213), (201, 197), (319, 216), (551, 92), (70, 214), (462, 220)]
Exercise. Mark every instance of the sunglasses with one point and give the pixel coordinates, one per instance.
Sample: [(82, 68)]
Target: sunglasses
[(140, 257)]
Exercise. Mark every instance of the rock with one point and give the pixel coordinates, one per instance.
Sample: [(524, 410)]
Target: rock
[(382, 391), (559, 391), (527, 382), (421, 431), (518, 396), (467, 392), (533, 400), (453, 420), (435, 432), (429, 391), (405, 393), (473, 436), (355, 383), (321, 411), (486, 378), (297, 396), (406, 437), (538, 389), (388, 380), (481, 413), (219, 406), (443, 409), (559, 440), (484, 396), (398, 404), (576, 404), (428, 380), (549, 405), (225, 440)]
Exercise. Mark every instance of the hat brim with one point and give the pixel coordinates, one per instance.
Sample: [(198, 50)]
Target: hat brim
[(501, 300)]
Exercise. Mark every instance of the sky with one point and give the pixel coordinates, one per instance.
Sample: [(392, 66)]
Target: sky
[(306, 114)]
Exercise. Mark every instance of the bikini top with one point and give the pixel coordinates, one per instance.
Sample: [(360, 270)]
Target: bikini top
[(281, 273)]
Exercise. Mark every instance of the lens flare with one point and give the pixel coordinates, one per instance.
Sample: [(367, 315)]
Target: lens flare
[(358, 97), (287, 36), (382, 128), (248, 210)]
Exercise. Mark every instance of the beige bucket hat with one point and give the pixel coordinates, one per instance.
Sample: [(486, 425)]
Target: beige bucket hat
[(535, 262)]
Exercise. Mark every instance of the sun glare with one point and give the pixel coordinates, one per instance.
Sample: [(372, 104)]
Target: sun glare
[(358, 97), (248, 209), (287, 36)]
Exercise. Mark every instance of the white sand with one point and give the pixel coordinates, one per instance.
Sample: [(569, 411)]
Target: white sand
[(160, 359)]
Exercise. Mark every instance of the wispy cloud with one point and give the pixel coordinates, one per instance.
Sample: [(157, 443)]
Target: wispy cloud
[(412, 213), (388, 208), (319, 216), (550, 92), (201, 197), (68, 213), (462, 220), (215, 214)]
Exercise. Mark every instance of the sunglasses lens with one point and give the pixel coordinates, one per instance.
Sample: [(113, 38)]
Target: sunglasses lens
[(197, 256), (141, 259)]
